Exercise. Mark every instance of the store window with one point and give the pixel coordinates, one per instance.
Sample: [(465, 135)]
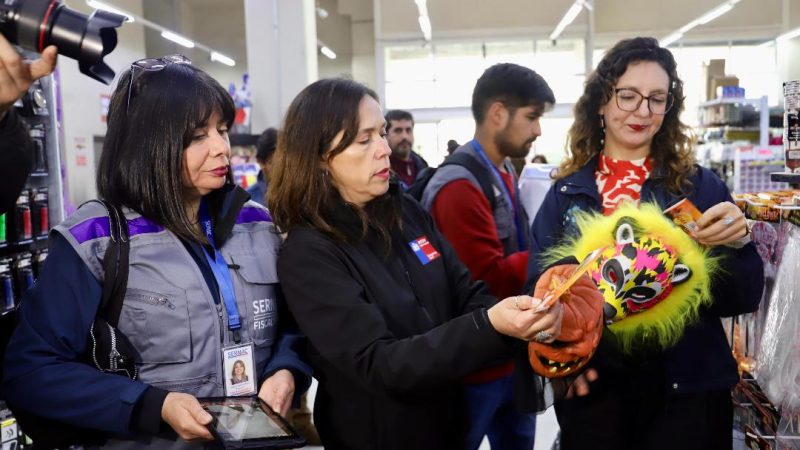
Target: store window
[(443, 75), (430, 138)]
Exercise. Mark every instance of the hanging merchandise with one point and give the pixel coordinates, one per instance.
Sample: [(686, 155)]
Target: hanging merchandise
[(778, 362)]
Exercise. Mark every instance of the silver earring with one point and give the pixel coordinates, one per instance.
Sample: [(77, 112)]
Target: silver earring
[(603, 131)]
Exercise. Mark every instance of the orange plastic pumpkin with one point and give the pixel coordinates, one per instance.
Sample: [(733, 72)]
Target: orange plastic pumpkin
[(581, 325)]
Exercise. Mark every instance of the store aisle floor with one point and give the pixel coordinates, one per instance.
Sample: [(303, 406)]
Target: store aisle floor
[(546, 426)]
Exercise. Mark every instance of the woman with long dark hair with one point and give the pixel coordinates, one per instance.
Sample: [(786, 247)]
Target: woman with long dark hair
[(201, 276), (392, 317), (627, 144)]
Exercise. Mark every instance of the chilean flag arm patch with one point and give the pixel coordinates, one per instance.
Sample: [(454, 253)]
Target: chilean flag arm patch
[(424, 250)]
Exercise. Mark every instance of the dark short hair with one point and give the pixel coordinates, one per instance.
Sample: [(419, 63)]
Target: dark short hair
[(300, 190), (141, 166), (513, 85), (397, 114), (265, 146)]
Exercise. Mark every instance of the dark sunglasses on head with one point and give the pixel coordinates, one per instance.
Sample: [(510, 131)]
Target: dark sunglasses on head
[(153, 65)]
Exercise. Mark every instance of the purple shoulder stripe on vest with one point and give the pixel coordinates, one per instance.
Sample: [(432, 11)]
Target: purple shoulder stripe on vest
[(98, 227), (249, 215), (140, 225)]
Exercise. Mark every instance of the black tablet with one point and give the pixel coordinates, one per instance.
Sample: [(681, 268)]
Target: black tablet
[(249, 423)]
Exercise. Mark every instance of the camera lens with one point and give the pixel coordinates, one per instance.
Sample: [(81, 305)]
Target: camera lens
[(35, 24)]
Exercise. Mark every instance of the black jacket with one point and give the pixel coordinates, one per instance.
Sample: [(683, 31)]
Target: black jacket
[(701, 361), (390, 337), (15, 159)]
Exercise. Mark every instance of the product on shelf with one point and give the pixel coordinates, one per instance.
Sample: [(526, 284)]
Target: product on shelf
[(791, 125), (3, 237), (38, 134), (768, 206), (23, 272), (7, 297), (24, 221), (41, 212), (38, 262)]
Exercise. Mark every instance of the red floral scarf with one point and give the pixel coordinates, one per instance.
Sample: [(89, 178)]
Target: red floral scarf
[(620, 181)]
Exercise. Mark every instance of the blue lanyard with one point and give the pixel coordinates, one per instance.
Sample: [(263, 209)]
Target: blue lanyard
[(221, 271), (509, 198)]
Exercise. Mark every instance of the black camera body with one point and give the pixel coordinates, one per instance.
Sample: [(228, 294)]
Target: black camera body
[(35, 24)]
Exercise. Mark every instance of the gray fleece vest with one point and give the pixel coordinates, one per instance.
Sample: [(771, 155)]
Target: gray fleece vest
[(503, 211), (169, 313)]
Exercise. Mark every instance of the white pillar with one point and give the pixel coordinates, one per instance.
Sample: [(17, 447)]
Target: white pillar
[(281, 55)]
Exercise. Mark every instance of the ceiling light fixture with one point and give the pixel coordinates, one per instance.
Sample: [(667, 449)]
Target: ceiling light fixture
[(325, 50), (570, 16), (424, 20), (165, 33), (100, 5), (178, 39), (220, 58), (702, 20)]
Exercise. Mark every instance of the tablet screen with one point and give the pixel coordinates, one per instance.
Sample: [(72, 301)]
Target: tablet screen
[(244, 418)]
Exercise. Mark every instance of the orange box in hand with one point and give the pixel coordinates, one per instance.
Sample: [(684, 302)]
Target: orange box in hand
[(685, 215)]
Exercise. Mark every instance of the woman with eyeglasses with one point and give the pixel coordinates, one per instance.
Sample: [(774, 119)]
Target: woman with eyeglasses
[(628, 144), (201, 256)]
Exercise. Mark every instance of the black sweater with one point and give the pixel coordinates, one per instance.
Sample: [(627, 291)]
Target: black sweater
[(390, 337)]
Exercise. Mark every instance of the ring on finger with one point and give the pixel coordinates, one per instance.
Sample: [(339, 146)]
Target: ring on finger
[(516, 302), (728, 220), (542, 336)]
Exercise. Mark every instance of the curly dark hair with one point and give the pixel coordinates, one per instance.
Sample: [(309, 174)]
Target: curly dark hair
[(671, 148)]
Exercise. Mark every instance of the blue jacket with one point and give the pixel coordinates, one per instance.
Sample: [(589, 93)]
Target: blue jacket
[(702, 359), (43, 360)]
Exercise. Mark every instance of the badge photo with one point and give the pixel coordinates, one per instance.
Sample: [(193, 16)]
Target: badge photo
[(239, 370)]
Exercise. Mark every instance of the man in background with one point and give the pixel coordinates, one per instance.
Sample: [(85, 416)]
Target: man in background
[(490, 235), (265, 148), (406, 164)]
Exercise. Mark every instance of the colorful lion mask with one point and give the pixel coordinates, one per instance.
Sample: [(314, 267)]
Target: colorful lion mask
[(653, 276)]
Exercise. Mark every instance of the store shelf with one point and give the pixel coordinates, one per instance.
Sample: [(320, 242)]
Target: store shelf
[(782, 177), (731, 101)]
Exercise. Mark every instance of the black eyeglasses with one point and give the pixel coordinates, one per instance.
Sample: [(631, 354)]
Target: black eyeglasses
[(153, 65), (630, 100)]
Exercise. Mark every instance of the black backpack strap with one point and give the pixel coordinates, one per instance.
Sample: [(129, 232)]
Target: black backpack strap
[(478, 170), (115, 264)]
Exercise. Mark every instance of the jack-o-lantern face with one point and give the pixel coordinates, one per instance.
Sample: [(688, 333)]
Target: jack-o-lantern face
[(637, 273), (581, 325)]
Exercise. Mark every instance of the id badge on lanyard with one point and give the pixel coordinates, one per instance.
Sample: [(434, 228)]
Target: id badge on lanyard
[(238, 361)]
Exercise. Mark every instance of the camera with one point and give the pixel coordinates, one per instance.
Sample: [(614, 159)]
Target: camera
[(35, 24)]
